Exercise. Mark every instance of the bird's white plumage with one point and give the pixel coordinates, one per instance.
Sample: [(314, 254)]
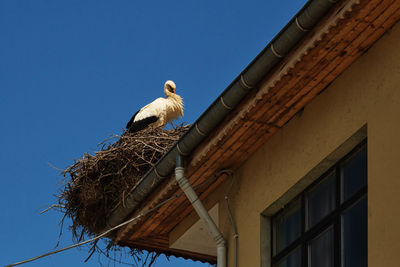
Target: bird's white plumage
[(161, 110), (158, 108)]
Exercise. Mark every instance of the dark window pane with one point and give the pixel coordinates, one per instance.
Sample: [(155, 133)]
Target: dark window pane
[(354, 230), (287, 227), (320, 250), (354, 173), (292, 260), (321, 200)]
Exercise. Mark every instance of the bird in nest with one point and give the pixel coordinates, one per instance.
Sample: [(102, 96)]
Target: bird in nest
[(159, 112)]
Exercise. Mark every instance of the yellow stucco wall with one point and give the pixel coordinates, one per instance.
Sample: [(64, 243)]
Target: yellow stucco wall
[(366, 93)]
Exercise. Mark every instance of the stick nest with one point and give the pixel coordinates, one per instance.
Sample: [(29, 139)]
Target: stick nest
[(100, 182)]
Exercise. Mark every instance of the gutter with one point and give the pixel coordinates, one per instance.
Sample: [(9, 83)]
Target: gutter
[(271, 55)]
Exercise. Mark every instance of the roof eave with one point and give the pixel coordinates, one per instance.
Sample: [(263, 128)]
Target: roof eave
[(271, 55)]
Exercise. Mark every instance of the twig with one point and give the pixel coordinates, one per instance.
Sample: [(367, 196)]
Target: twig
[(93, 249), (51, 206), (105, 140), (113, 258), (159, 150), (48, 163), (61, 230)]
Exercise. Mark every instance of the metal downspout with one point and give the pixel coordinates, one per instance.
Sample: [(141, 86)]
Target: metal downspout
[(201, 211)]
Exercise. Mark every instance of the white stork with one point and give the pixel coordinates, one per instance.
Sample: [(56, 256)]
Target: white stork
[(159, 112)]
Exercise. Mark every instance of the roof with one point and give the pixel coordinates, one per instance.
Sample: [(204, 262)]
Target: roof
[(318, 56)]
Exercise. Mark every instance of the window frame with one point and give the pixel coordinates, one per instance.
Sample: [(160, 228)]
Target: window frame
[(333, 219)]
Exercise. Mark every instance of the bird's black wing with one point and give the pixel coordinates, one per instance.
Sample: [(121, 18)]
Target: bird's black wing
[(135, 126), (129, 124)]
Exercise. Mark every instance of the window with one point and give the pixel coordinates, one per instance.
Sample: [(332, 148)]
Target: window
[(326, 224)]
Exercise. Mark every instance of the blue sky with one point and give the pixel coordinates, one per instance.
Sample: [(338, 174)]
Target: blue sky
[(72, 73)]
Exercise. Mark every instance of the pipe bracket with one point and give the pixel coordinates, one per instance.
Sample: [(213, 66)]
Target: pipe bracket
[(180, 151), (301, 28), (224, 104), (159, 175), (275, 52), (244, 84), (199, 131)]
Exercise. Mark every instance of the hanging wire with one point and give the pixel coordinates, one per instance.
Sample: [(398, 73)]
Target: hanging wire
[(99, 236), (113, 228), (231, 173)]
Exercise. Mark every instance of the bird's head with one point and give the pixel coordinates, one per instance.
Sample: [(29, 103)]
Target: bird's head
[(169, 87)]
